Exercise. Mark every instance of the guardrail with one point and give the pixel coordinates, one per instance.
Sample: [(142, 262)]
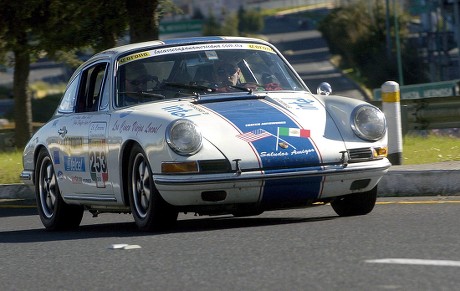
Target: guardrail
[(429, 113), (428, 106)]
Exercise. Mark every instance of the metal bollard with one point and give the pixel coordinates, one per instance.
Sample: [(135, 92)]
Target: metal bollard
[(392, 109)]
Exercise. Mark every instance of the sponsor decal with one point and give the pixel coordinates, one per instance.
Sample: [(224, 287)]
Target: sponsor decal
[(135, 126), (134, 57), (74, 164), (254, 135), (258, 134), (198, 108), (97, 129), (284, 131), (56, 159), (265, 123), (98, 167), (77, 180), (180, 111), (98, 153), (298, 103), (81, 120), (261, 47)]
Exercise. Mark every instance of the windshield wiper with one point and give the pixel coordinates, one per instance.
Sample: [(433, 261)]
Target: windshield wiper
[(249, 90), (143, 94), (190, 86)]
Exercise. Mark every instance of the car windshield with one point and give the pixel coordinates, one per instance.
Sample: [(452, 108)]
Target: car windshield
[(200, 70)]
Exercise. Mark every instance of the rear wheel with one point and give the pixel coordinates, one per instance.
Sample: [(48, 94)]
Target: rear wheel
[(54, 213), (149, 210), (355, 204)]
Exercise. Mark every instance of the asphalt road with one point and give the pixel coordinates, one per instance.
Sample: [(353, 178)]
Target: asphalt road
[(302, 249)]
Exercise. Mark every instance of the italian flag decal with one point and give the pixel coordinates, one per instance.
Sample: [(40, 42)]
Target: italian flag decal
[(285, 131)]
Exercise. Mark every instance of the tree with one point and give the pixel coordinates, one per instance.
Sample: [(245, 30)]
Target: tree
[(211, 26), (32, 27), (250, 21), (357, 33), (143, 19), (19, 20)]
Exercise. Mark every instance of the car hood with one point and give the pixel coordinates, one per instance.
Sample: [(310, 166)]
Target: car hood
[(270, 131)]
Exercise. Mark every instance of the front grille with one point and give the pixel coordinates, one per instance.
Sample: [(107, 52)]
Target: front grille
[(358, 155), (214, 166)]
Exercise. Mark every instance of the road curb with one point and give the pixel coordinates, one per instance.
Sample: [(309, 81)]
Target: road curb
[(420, 183), (16, 191), (400, 181)]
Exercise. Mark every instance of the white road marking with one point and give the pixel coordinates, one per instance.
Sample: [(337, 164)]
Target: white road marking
[(442, 263), (124, 247)]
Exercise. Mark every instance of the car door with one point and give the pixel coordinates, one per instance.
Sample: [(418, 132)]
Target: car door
[(84, 172)]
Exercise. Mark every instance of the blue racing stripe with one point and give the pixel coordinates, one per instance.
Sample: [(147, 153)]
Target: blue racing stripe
[(264, 126)]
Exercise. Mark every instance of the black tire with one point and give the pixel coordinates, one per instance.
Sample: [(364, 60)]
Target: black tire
[(355, 204), (150, 211), (54, 213)]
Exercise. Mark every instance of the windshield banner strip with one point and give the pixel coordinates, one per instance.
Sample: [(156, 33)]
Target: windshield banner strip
[(193, 48)]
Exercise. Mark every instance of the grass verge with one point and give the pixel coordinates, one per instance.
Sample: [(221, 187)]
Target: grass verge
[(10, 167)]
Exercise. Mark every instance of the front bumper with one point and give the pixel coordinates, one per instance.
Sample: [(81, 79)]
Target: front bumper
[(271, 188)]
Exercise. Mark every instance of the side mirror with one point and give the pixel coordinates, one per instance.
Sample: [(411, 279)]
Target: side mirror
[(324, 89)]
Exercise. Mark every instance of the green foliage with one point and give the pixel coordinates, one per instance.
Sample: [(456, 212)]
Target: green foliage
[(230, 25), (358, 33), (10, 167), (250, 21), (243, 23), (211, 26)]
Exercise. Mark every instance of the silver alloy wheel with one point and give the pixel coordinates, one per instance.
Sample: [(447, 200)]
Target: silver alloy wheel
[(47, 187), (141, 185)]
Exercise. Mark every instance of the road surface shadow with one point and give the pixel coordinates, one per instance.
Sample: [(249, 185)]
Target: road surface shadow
[(129, 229)]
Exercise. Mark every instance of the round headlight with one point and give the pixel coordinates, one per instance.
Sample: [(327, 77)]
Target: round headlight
[(184, 137), (368, 122)]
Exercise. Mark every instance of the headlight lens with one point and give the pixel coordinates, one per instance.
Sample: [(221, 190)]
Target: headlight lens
[(368, 122), (184, 137)]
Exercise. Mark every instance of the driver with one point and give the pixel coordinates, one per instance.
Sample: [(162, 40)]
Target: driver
[(228, 74), (136, 80)]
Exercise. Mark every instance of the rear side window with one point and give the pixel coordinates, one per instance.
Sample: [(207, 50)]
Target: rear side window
[(90, 92), (70, 95)]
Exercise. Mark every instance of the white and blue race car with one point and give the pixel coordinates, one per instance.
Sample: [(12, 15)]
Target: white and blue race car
[(211, 125)]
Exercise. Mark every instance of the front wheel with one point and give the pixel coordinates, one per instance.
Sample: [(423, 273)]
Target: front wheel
[(54, 213), (355, 204), (149, 210)]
